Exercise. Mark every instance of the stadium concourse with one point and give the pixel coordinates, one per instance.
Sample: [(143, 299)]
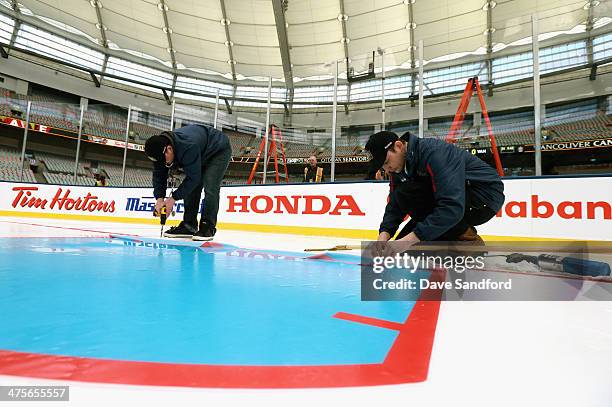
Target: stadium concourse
[(484, 353)]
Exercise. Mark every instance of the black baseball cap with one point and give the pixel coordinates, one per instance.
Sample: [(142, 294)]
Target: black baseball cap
[(378, 144), (155, 147)]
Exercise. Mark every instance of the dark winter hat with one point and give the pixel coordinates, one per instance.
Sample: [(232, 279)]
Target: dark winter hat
[(155, 147), (378, 145)]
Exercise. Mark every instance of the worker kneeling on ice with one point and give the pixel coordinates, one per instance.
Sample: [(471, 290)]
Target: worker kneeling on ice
[(445, 190)]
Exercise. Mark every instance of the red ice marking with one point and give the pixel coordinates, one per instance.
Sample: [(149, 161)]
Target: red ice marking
[(327, 257), (212, 244), (381, 323), (407, 362), (322, 256), (53, 237), (65, 228)]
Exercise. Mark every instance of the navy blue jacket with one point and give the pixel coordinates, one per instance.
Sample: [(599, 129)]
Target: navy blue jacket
[(450, 169), (193, 146)]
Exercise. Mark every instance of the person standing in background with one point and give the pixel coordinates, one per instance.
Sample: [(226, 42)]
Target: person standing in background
[(312, 173)]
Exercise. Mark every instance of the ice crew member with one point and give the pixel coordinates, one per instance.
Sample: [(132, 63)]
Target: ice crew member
[(204, 154), (312, 173), (445, 190)]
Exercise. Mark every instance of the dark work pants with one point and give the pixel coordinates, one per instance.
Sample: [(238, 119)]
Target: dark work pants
[(416, 199), (213, 171)]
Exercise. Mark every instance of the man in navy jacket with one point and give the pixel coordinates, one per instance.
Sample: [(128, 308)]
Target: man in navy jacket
[(445, 190), (204, 154)]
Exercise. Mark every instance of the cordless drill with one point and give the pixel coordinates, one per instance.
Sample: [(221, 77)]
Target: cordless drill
[(162, 220), (163, 215), (571, 265)]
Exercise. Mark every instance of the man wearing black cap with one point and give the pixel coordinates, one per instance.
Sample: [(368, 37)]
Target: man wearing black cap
[(204, 154), (445, 190)]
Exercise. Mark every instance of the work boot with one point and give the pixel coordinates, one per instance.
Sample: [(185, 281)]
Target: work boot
[(204, 233), (181, 230), (470, 235)]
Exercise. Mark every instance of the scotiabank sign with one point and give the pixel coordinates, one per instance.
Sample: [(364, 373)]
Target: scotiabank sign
[(570, 208), (538, 208)]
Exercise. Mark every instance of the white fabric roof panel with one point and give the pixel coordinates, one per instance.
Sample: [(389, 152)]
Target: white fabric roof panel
[(379, 23), (196, 27), (74, 13), (254, 35), (260, 71), (259, 55), (315, 55), (353, 7), (256, 12), (365, 46), (196, 62), (449, 28), (208, 9), (318, 33), (308, 11), (197, 48), (512, 19), (158, 50)]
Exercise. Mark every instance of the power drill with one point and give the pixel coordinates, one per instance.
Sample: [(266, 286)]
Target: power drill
[(571, 265), (163, 215)]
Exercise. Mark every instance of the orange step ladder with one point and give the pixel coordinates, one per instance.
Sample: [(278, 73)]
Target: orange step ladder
[(474, 85), (277, 148)]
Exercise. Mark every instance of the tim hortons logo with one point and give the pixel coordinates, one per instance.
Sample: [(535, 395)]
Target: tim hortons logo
[(295, 204), (541, 209), (26, 198)]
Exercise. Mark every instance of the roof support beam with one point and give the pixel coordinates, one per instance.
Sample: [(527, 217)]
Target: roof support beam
[(164, 9), (168, 100), (104, 44), (16, 27), (279, 7), (344, 35), (229, 42), (411, 27), (95, 79), (589, 29), (104, 65), (489, 61)]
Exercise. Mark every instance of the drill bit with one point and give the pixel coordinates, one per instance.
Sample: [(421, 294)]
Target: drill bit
[(162, 220)]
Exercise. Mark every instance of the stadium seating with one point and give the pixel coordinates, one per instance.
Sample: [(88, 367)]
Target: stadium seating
[(56, 163), (581, 120), (14, 174), (65, 179), (134, 177)]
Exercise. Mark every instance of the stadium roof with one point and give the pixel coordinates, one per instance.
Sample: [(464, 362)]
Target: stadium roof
[(294, 40)]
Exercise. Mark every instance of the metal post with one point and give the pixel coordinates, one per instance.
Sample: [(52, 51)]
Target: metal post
[(333, 140), (125, 148), (421, 124), (265, 169), (536, 95), (76, 158), (216, 110), (172, 114), (25, 138), (382, 87)]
